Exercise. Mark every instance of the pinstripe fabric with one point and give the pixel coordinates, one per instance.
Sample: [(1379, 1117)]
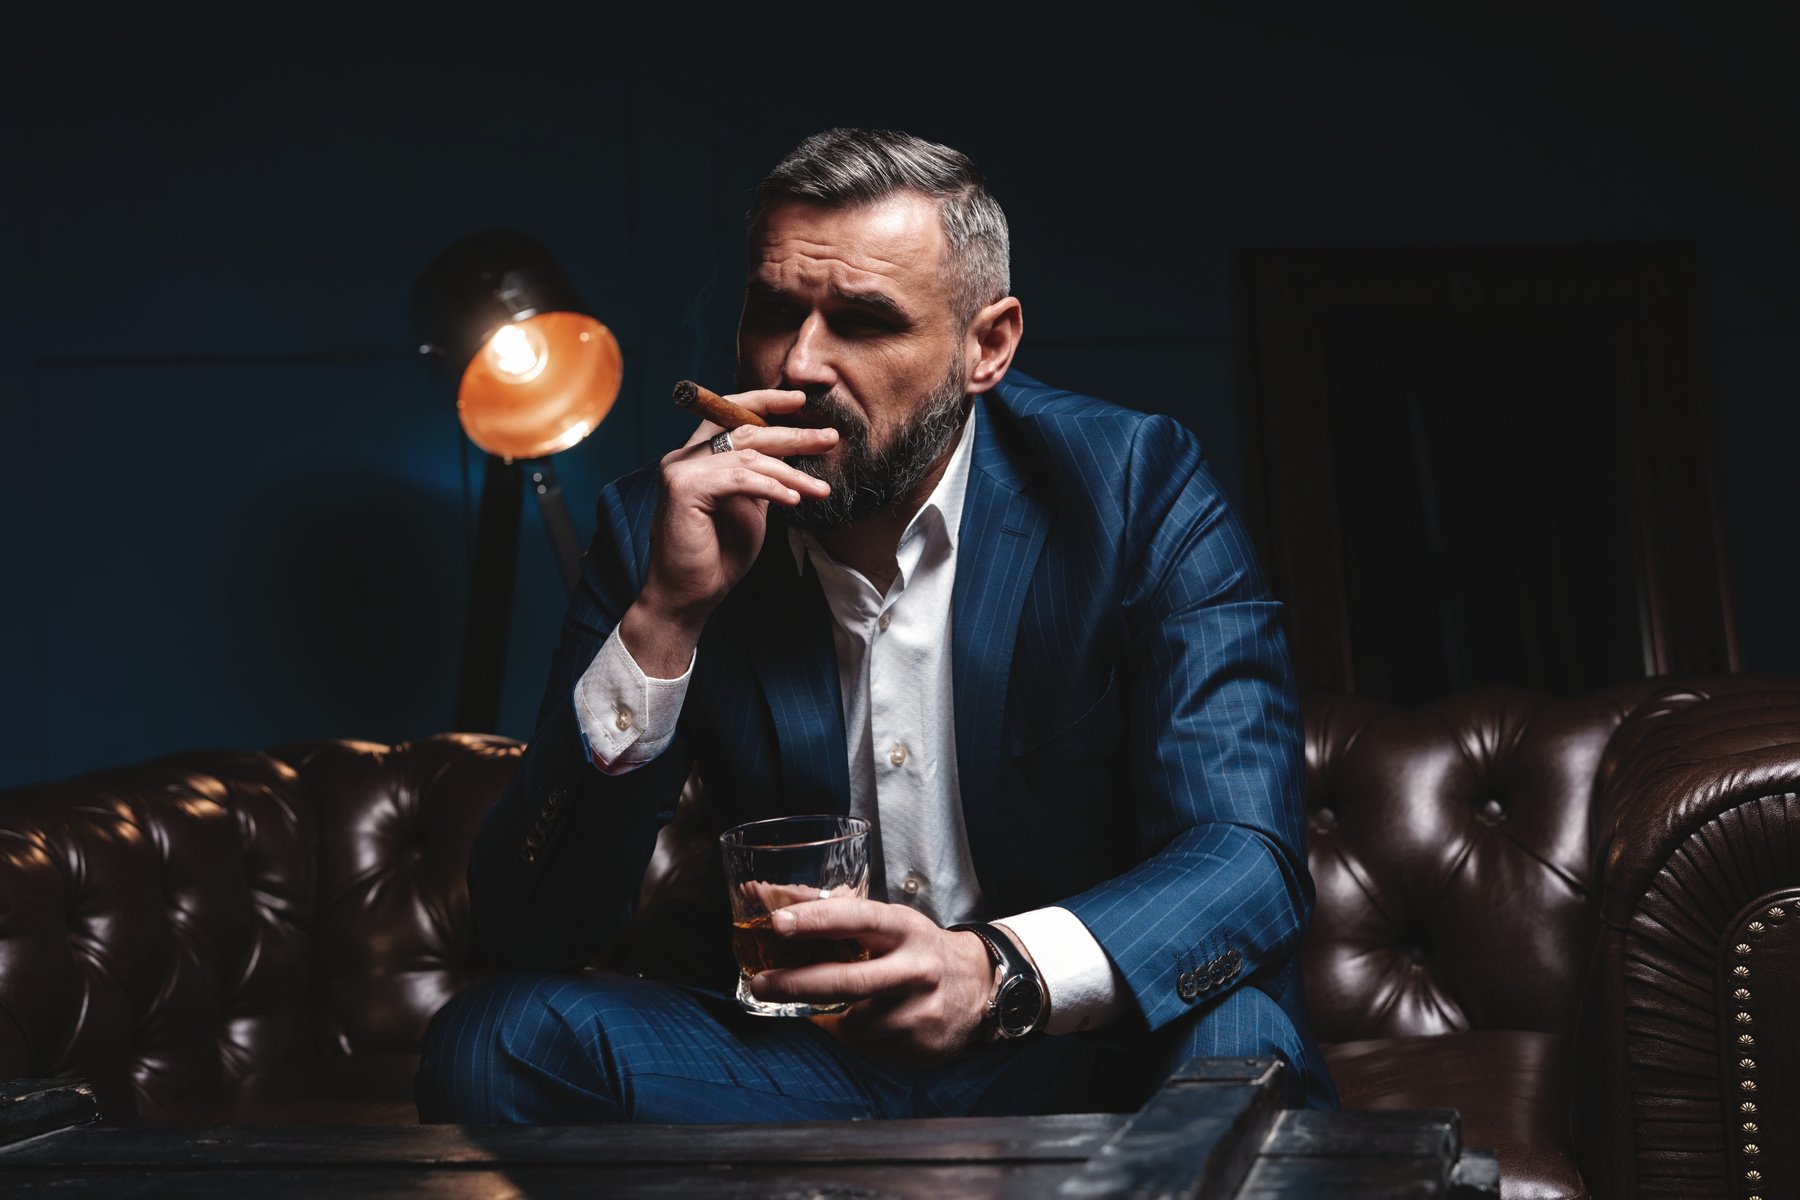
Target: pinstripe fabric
[(559, 1049), (1128, 737)]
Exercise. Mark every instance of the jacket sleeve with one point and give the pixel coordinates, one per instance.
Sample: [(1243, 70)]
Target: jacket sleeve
[(1215, 750), (556, 867)]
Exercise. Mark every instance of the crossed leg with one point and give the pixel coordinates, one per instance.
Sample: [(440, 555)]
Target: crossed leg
[(595, 1047)]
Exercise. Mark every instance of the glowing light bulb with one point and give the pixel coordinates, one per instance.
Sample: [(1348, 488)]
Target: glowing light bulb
[(513, 352)]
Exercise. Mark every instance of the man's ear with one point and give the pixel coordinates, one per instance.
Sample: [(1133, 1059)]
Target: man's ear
[(992, 338)]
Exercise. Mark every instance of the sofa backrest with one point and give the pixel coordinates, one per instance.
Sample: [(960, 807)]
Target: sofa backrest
[(182, 927), (1452, 847)]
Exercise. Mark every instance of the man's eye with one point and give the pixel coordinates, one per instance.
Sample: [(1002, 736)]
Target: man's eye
[(775, 311), (862, 322)]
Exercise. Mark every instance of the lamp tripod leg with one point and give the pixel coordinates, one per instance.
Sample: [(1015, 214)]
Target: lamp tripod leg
[(554, 507), (490, 598)]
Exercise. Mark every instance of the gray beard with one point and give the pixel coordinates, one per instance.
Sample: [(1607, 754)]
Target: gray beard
[(865, 479)]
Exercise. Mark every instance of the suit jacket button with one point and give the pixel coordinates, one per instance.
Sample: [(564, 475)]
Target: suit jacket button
[(1188, 985), (529, 854)]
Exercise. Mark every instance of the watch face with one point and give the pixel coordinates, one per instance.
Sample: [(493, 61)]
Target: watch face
[(1019, 1005)]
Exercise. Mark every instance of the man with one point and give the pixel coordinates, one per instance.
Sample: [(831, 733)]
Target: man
[(1016, 628)]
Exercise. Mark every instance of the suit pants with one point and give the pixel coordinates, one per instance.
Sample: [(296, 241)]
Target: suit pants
[(564, 1049)]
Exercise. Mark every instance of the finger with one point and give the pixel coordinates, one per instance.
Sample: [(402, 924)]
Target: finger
[(785, 440), (870, 921), (762, 401), (777, 444), (715, 476), (705, 491), (837, 982)]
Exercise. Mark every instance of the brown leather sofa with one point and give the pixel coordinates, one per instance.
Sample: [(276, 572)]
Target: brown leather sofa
[(1577, 921)]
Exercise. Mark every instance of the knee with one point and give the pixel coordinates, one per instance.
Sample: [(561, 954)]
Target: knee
[(509, 1049)]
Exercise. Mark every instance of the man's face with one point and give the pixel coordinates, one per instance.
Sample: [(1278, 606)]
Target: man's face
[(851, 307)]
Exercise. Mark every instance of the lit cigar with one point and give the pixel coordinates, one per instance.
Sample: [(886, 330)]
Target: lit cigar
[(714, 407)]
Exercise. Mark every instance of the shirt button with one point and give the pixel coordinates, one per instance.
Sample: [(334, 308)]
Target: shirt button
[(887, 618), (624, 719), (897, 755), (911, 886)]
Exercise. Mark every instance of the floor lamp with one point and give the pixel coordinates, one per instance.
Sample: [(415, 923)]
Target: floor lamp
[(533, 372)]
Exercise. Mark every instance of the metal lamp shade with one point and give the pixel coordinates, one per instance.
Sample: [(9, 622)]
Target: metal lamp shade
[(533, 373)]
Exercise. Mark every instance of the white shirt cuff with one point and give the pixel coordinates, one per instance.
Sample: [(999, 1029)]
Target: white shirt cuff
[(1077, 975), (626, 717)]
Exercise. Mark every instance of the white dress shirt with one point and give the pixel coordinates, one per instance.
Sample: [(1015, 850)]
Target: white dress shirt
[(894, 680)]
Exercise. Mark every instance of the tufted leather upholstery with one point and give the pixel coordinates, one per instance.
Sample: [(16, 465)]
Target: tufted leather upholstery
[(215, 927), (263, 936)]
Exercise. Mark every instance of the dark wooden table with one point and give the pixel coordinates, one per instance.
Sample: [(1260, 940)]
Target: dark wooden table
[(1214, 1132)]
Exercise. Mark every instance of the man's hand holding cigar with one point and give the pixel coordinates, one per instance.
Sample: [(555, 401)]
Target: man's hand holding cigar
[(710, 520)]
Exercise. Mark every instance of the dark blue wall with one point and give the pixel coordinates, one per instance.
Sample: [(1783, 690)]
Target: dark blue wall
[(274, 546)]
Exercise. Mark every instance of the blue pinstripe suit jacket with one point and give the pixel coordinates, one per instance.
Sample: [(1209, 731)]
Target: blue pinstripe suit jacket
[(1127, 731)]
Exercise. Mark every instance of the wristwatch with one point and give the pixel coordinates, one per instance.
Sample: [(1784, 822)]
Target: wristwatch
[(1018, 1003)]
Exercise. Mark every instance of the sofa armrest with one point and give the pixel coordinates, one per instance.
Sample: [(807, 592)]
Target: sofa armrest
[(1690, 1029)]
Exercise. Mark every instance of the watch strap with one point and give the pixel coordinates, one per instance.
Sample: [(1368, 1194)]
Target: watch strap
[(1012, 964)]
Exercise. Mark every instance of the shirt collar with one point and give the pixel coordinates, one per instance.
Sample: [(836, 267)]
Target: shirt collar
[(945, 502)]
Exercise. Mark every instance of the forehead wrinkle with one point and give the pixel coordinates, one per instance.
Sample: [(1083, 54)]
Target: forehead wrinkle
[(833, 259), (851, 252)]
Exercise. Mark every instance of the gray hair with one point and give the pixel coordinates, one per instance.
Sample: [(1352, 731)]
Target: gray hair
[(849, 168)]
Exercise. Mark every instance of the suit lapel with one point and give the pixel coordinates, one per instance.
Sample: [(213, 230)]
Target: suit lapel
[(788, 634), (1004, 522)]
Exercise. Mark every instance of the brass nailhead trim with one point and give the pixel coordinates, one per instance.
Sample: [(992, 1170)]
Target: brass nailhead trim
[(1749, 1150)]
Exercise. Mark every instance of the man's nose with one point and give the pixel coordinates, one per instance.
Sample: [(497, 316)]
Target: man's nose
[(808, 360)]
